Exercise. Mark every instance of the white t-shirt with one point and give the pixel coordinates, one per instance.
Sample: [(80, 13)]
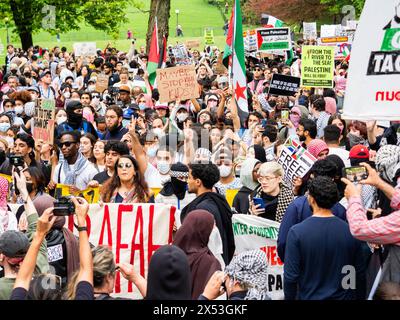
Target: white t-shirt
[(82, 180), (152, 177), (342, 153)]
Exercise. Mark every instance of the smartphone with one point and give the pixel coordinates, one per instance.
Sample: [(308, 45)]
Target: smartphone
[(355, 174), (285, 115), (259, 201)]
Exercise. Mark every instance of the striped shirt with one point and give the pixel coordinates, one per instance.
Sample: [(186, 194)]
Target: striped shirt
[(384, 230)]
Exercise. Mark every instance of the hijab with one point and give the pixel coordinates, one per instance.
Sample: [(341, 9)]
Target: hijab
[(169, 275), (246, 173), (192, 237), (295, 118)]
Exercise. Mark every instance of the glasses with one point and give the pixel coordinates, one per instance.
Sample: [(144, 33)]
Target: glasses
[(125, 165), (257, 70), (66, 143), (266, 179)]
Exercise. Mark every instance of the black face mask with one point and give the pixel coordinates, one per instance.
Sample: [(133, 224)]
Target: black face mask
[(179, 187), (29, 187), (2, 156)]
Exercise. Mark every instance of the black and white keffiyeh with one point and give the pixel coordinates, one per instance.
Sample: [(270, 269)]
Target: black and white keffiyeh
[(250, 268)]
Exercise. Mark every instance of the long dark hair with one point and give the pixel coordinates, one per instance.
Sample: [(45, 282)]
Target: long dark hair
[(30, 143), (93, 141), (141, 188), (38, 178)]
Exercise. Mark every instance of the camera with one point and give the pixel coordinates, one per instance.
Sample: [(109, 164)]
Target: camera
[(64, 206), (355, 174), (16, 160)]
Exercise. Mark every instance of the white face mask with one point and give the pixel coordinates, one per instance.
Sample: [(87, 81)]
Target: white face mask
[(182, 117), (61, 120), (224, 171), (67, 95), (4, 127), (163, 167), (159, 132), (91, 88), (19, 109)]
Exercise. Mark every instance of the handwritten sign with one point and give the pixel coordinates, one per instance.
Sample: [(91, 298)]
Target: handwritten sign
[(310, 30), (101, 83), (44, 120), (178, 82), (192, 44), (209, 36), (85, 49)]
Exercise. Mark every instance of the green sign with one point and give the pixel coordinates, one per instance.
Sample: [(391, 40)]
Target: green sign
[(391, 41), (48, 104), (273, 39), (317, 66)]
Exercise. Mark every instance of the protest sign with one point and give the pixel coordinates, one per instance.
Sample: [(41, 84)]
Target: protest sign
[(352, 24), (209, 36), (317, 66), (101, 83), (253, 233), (181, 55), (272, 39), (192, 44), (250, 40), (295, 160), (283, 85), (310, 30), (44, 120), (220, 69), (85, 49), (332, 30), (372, 91), (132, 231), (177, 82), (341, 44), (92, 195)]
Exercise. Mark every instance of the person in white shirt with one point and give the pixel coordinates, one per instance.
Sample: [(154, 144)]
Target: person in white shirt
[(332, 139), (74, 170)]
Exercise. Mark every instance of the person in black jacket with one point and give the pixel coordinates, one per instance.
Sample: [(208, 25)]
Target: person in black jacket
[(202, 178), (248, 178)]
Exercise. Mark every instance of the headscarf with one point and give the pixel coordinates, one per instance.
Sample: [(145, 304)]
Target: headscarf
[(45, 201), (251, 269), (3, 204), (192, 237), (295, 119), (169, 275), (388, 161), (330, 105), (259, 153), (316, 146), (246, 173)]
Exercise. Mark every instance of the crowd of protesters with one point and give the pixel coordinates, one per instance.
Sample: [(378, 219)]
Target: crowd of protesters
[(127, 142)]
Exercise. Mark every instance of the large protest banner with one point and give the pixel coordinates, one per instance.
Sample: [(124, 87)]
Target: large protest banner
[(44, 120), (283, 85), (253, 233), (317, 66), (310, 30), (85, 49), (132, 231), (295, 160), (372, 91), (177, 82), (273, 39)]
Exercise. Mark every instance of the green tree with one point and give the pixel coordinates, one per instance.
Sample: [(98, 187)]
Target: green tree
[(58, 16)]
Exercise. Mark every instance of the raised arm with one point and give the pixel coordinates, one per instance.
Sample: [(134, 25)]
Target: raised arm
[(137, 148)]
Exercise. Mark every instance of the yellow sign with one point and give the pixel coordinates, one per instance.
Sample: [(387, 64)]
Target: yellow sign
[(230, 195), (7, 177), (317, 66), (92, 195)]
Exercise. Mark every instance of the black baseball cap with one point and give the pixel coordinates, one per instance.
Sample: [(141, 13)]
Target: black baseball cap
[(14, 244)]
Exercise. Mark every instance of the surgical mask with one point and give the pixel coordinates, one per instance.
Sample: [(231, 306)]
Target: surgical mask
[(182, 117), (67, 95), (151, 152), (29, 109), (91, 88), (61, 120), (4, 127), (224, 171), (163, 167), (142, 106), (159, 132), (19, 109)]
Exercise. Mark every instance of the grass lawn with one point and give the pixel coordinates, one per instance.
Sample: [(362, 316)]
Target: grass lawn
[(194, 16)]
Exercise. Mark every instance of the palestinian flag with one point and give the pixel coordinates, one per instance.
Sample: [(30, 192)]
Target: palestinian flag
[(234, 53), (154, 56), (268, 21)]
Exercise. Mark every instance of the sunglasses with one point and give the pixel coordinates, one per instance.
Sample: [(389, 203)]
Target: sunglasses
[(67, 144), (125, 165)]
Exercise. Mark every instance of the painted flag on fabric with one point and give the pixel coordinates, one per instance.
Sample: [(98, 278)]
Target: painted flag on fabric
[(154, 55), (268, 21), (237, 60)]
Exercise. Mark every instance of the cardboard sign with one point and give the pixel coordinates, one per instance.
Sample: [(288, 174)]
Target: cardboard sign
[(317, 66), (252, 233), (295, 160), (102, 83), (209, 36), (220, 69), (372, 91), (310, 30), (92, 195), (283, 85), (192, 44), (178, 82), (44, 120), (273, 39), (85, 49)]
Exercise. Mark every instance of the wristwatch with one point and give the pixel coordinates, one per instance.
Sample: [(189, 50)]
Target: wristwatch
[(81, 229)]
